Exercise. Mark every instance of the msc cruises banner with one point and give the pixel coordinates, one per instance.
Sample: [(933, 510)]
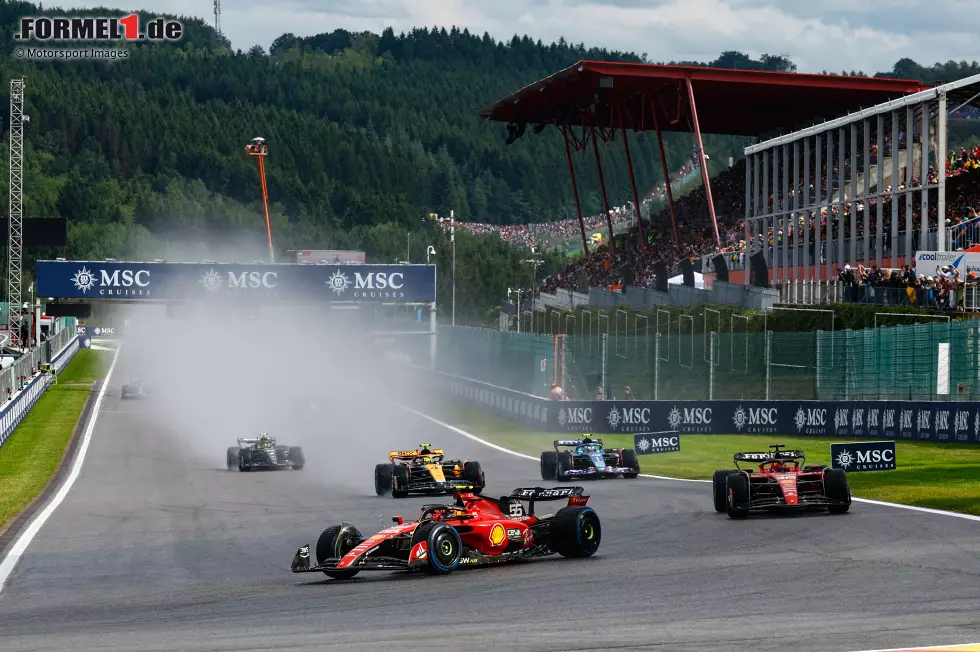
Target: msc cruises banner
[(204, 281), (953, 422)]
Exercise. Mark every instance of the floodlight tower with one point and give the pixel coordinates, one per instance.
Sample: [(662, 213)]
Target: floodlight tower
[(260, 150), (16, 237)]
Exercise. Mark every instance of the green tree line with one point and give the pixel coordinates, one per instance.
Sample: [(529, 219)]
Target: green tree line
[(368, 135)]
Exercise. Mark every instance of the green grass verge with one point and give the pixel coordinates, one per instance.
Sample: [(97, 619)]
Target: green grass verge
[(31, 455), (940, 476), (86, 367)]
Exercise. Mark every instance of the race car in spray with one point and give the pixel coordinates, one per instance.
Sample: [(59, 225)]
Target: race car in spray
[(134, 389), (588, 459), (426, 471), (263, 452), (782, 482), (474, 531)]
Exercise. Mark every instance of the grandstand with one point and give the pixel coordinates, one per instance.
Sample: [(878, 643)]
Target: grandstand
[(868, 163)]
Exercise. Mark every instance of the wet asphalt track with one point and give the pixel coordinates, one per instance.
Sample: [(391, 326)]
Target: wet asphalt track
[(154, 549)]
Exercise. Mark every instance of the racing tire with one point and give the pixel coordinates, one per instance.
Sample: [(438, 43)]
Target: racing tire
[(444, 547), (232, 457), (628, 458), (335, 542), (382, 478), (565, 463), (737, 488), (399, 481), (835, 487), (576, 532), (720, 488), (549, 465), (124, 394), (244, 459), (297, 458), (473, 472)]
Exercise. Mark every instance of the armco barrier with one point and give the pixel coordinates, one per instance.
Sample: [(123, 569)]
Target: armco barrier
[(14, 411), (531, 410), (937, 421)]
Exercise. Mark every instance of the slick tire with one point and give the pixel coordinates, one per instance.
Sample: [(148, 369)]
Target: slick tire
[(335, 542), (444, 547), (549, 465), (737, 488), (399, 481), (720, 488), (565, 463), (297, 458), (382, 478), (244, 460), (835, 487), (576, 532), (232, 457), (628, 458), (473, 472)]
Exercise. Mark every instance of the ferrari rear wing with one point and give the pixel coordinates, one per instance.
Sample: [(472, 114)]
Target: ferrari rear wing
[(768, 457), (531, 494)]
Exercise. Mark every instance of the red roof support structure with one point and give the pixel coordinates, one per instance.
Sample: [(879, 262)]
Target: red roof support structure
[(578, 204), (666, 170), (609, 95), (636, 196), (704, 162), (602, 188)]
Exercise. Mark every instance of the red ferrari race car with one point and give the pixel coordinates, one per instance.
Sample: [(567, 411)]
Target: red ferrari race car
[(475, 531), (783, 482)]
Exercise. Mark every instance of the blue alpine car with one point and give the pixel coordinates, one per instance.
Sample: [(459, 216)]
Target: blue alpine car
[(587, 458)]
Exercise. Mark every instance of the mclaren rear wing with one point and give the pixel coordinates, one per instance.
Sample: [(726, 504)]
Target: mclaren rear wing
[(574, 495)]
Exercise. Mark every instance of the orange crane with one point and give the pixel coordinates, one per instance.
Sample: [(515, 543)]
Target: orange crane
[(260, 150)]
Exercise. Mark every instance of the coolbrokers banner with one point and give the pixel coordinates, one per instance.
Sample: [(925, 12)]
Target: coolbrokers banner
[(909, 420), (202, 281)]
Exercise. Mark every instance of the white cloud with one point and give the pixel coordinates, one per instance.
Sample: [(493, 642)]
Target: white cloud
[(817, 34)]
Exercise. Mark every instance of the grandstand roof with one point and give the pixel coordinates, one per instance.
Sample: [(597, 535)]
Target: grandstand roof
[(733, 102)]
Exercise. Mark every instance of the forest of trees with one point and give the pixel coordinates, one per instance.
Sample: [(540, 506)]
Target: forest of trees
[(368, 134)]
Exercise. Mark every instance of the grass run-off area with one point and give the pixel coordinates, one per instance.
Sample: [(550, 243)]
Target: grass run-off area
[(31, 454), (939, 476)]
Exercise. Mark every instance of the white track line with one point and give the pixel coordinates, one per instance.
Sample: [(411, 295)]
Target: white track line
[(468, 435), (17, 550), (928, 648)]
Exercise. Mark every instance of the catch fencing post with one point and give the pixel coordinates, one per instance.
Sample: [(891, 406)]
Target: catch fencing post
[(816, 390), (768, 361), (605, 340), (711, 370), (656, 368)]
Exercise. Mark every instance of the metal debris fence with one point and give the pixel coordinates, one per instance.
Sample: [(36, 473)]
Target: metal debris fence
[(662, 357)]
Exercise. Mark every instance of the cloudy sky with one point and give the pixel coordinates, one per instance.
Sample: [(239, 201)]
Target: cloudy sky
[(868, 35)]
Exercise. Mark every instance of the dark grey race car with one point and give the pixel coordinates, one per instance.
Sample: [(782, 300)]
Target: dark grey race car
[(263, 453), (134, 389)]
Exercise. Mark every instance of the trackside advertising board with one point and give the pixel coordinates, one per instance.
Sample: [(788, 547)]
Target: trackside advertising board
[(651, 443), (926, 262), (863, 456), (953, 422), (204, 281)]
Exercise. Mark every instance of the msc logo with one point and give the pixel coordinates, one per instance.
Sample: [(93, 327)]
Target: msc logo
[(632, 416), (755, 420), (811, 421), (253, 280), (574, 415), (373, 285), (118, 283)]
